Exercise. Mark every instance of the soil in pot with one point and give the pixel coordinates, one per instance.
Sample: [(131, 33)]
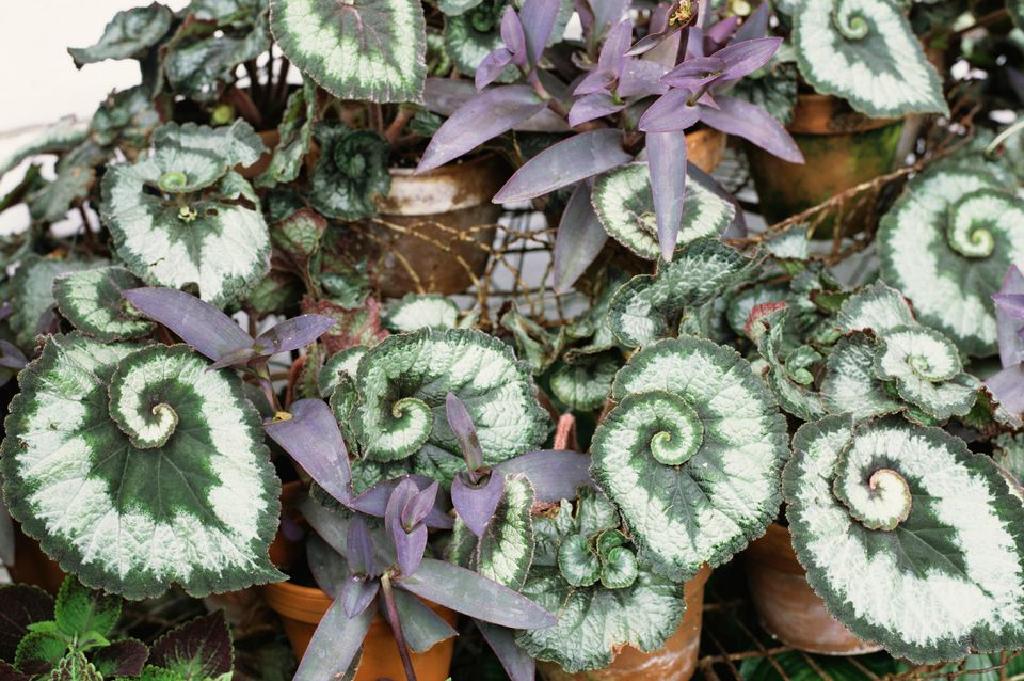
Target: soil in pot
[(841, 148), (786, 604), (676, 660), (435, 231), (301, 609)]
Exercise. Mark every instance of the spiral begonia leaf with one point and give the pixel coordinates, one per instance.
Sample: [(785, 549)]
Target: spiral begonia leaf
[(92, 301), (128, 35), (415, 312), (352, 173), (851, 384), (137, 468), (725, 492), (402, 385), (585, 384), (877, 308), (648, 306), (473, 34), (865, 52), (625, 206), (948, 578), (342, 364), (946, 244), (219, 242), (358, 50)]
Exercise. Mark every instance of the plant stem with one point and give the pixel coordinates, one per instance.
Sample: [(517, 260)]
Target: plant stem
[(396, 626), (393, 131), (543, 93), (377, 117)]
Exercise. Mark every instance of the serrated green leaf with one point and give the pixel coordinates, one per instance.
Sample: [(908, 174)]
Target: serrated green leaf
[(877, 308), (92, 301), (195, 506), (584, 385), (534, 343), (74, 667), (618, 568), (235, 144), (295, 131), (54, 139), (79, 610), (40, 651)]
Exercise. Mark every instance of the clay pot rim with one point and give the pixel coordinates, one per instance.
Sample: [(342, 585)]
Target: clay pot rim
[(816, 113)]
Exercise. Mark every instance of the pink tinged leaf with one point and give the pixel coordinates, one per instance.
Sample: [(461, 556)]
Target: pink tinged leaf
[(745, 57), (555, 474), (491, 66), (538, 18), (461, 424), (293, 334), (666, 155), (512, 35), (474, 595), (754, 124), (590, 107), (476, 504), (580, 238), (196, 322), (641, 78), (565, 163), (670, 113), (335, 644), (480, 119), (312, 438), (1010, 317), (517, 664)]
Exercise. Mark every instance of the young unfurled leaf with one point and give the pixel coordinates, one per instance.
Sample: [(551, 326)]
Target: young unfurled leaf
[(340, 365), (128, 35), (866, 53), (92, 301), (352, 173), (295, 131), (946, 244), (473, 35), (578, 563), (955, 545), (797, 398), (110, 417), (624, 204), (402, 384), (366, 50), (414, 312), (75, 667), (851, 384), (691, 454), (648, 307)]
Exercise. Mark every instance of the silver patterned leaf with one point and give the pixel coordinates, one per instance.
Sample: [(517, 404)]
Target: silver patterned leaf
[(415, 312), (92, 301), (851, 385)]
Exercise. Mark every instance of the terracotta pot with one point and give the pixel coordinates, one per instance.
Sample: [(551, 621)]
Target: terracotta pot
[(786, 604), (288, 547), (301, 609), (32, 566), (434, 230), (705, 147), (841, 148), (676, 660)]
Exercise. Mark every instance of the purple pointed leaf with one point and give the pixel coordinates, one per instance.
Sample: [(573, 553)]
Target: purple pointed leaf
[(474, 595), (360, 547), (565, 163), (593, 106), (754, 124), (1007, 387), (410, 539), (641, 78), (741, 59), (312, 438), (356, 594), (666, 155), (492, 66), (328, 525), (1011, 304), (374, 501), (293, 334), (580, 238), (595, 81), (335, 644), (476, 504), (409, 548), (719, 34), (445, 95), (461, 424), (198, 323), (755, 26), (606, 13), (423, 628), (695, 43), (512, 35), (517, 664), (555, 474), (418, 507), (1010, 317), (328, 567), (694, 73), (615, 46), (480, 119), (538, 18), (671, 112), (11, 356), (235, 358)]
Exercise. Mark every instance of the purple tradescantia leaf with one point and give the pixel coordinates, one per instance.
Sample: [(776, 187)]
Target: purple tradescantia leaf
[(406, 509), (360, 548), (292, 334), (418, 507), (641, 78), (11, 356), (474, 595), (606, 13), (409, 547), (328, 567), (356, 594), (555, 474), (1010, 317), (478, 120), (694, 73), (666, 155), (595, 81), (1007, 387), (374, 501), (754, 124), (695, 43), (491, 66), (613, 52), (461, 424), (312, 438), (538, 18), (476, 504), (198, 323), (512, 35), (580, 238), (589, 107), (755, 26), (719, 34), (567, 162), (335, 644), (745, 57), (517, 664), (671, 112)]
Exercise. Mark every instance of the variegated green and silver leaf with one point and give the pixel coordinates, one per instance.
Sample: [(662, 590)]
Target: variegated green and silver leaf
[(691, 455), (595, 622), (217, 242), (948, 577), (946, 244), (625, 206), (340, 365), (128, 35), (415, 312), (584, 385), (741, 304), (648, 307), (505, 551), (471, 35), (865, 52), (366, 49), (295, 131), (403, 382), (137, 468), (798, 397), (926, 369), (877, 308), (92, 301), (32, 288), (851, 385), (235, 144), (54, 139)]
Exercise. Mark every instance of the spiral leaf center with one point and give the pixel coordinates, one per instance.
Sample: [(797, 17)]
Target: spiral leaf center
[(173, 181), (970, 226), (851, 24)]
